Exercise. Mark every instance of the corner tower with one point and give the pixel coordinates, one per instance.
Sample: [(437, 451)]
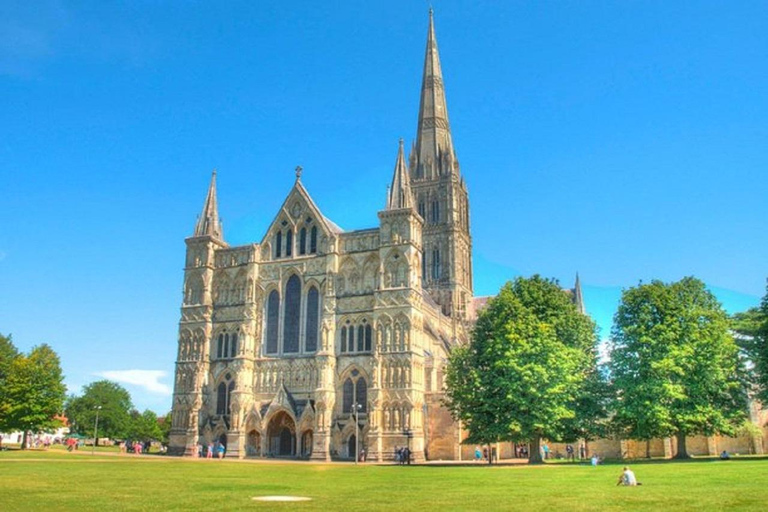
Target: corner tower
[(441, 195), (195, 327)]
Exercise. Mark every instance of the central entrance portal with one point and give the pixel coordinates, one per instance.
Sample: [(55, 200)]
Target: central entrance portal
[(282, 436)]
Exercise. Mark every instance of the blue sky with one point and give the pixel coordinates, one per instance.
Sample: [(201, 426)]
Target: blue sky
[(623, 140)]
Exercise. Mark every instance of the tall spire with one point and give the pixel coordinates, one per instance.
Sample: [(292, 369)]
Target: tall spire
[(208, 224), (434, 147), (578, 297), (400, 192)]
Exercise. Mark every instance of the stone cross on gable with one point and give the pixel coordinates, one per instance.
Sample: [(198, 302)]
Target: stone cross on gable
[(298, 172)]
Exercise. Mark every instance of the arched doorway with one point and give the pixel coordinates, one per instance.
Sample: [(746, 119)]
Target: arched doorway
[(351, 446), (282, 436), (306, 443), (253, 446)]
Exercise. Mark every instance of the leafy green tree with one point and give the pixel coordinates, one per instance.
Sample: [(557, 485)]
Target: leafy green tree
[(674, 364), (114, 414), (165, 428), (8, 353), (751, 328), (144, 426), (33, 390), (525, 372)]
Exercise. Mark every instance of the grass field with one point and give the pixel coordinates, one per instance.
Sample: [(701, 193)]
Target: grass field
[(57, 480)]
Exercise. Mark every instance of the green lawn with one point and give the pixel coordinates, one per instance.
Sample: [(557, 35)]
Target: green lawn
[(58, 480)]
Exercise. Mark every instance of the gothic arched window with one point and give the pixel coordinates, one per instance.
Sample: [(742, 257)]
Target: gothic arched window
[(361, 393), (278, 244), (289, 243), (368, 336), (303, 241), (351, 338), (292, 315), (313, 304), (422, 210), (225, 352), (273, 315), (221, 399), (220, 347), (313, 240), (343, 339), (360, 337), (349, 395), (233, 346), (435, 263), (435, 212)]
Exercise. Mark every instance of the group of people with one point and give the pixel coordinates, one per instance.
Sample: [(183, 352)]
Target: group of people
[(483, 455), (135, 447), (216, 449), (402, 455)]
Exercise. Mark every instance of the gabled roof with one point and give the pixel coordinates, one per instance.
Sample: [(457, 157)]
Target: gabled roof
[(300, 194)]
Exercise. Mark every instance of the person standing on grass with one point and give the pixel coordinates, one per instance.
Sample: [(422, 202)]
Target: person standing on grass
[(569, 452), (209, 454), (221, 450)]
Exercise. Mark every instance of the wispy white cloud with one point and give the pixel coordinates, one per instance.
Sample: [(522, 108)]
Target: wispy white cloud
[(146, 379)]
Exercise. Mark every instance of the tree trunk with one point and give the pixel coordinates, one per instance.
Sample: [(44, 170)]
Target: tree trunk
[(490, 454), (682, 452), (534, 455), (24, 441), (586, 448), (647, 448)]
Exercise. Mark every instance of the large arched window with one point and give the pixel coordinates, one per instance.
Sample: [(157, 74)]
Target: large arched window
[(351, 338), (355, 391), (289, 243), (292, 315), (233, 346), (220, 347), (313, 304), (349, 395), (435, 212), (343, 339), (435, 263), (368, 336), (361, 393), (360, 337), (221, 399), (303, 241), (273, 315), (278, 244), (313, 240)]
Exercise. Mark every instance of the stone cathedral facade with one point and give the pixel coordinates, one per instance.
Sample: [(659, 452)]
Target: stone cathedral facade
[(282, 340)]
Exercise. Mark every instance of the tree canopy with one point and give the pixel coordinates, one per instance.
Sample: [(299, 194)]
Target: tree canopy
[(751, 328), (674, 364), (32, 389), (525, 371), (114, 415)]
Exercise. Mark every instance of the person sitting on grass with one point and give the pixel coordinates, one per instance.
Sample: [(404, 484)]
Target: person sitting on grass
[(628, 478), (725, 455)]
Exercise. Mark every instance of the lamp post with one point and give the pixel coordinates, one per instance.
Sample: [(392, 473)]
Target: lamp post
[(95, 430), (356, 408)]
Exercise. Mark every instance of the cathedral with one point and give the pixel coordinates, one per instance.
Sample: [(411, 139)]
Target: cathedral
[(316, 341)]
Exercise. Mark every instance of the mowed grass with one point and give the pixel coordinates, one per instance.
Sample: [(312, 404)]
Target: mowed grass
[(62, 481)]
